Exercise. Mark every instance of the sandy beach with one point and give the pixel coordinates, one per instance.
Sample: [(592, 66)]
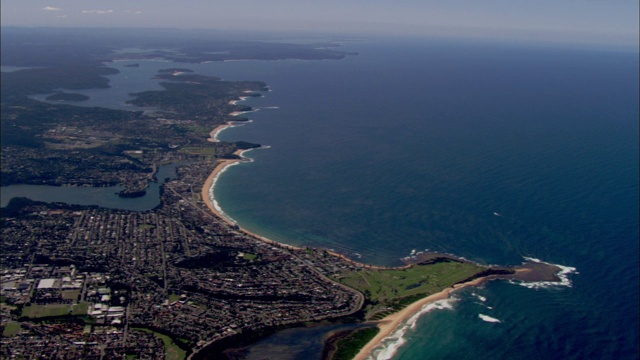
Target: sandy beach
[(242, 98), (237, 113), (390, 323), (213, 135), (220, 167)]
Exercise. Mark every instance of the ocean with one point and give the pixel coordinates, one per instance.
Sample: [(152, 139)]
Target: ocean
[(490, 151), (493, 152)]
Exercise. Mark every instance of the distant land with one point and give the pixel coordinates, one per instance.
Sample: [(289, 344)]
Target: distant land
[(179, 281), (60, 96)]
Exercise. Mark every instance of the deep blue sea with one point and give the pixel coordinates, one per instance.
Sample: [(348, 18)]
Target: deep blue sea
[(490, 151), (415, 145)]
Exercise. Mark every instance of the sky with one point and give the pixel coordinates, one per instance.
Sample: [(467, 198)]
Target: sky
[(612, 22)]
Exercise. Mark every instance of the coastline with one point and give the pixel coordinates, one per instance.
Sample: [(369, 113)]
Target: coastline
[(213, 135), (207, 188), (390, 323), (530, 272), (221, 165), (393, 322)]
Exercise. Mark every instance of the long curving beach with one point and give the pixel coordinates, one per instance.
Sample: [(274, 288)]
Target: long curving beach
[(207, 191), (220, 166)]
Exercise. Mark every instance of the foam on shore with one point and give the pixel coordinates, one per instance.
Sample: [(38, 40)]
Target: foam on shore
[(562, 275), (213, 136), (213, 185), (489, 319), (238, 113), (226, 166), (387, 348), (242, 98)]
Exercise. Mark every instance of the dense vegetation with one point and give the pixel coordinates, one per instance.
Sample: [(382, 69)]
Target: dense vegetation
[(348, 346)]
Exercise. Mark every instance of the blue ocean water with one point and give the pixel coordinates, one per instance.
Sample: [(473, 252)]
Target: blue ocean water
[(416, 144), (419, 144)]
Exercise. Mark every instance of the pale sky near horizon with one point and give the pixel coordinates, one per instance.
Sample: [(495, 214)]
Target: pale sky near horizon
[(612, 22)]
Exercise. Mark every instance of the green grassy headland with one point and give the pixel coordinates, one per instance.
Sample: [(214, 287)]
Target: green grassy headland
[(389, 290)]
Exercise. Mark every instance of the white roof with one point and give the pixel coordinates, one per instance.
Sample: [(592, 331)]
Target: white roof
[(46, 283)]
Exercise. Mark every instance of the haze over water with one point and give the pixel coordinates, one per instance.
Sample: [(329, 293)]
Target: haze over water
[(491, 152)]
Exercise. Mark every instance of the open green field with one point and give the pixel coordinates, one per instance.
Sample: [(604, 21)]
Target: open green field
[(146, 226), (12, 328), (71, 295), (197, 129), (40, 311), (207, 151), (81, 308), (391, 290), (171, 350), (249, 257)]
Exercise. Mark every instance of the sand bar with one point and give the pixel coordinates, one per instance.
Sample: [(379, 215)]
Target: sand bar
[(389, 324)]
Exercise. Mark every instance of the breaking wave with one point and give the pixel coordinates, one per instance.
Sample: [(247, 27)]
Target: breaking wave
[(390, 344), (479, 297), (563, 275), (488, 318)]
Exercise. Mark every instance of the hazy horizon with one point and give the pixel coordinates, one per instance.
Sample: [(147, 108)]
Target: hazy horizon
[(579, 22)]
